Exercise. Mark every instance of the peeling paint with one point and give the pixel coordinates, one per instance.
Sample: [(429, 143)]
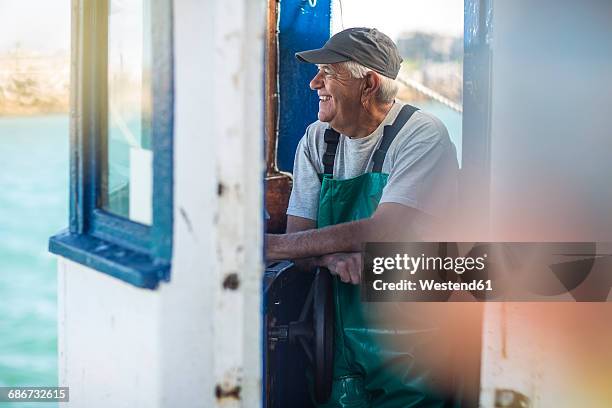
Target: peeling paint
[(489, 23), (230, 387), (231, 281), (232, 393), (186, 219)]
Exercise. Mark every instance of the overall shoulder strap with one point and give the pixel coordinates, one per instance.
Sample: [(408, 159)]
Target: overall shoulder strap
[(331, 145), (389, 133)]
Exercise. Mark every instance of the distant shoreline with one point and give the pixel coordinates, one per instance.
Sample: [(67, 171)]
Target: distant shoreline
[(15, 113), (30, 115), (34, 83)]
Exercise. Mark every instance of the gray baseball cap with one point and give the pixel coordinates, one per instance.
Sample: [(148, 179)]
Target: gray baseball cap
[(367, 46)]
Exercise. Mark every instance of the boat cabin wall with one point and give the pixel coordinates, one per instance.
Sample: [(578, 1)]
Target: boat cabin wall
[(195, 341)]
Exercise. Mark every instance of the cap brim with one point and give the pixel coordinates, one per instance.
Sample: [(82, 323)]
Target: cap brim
[(320, 56)]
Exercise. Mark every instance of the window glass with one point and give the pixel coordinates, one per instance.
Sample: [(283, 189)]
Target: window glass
[(429, 36), (127, 171)]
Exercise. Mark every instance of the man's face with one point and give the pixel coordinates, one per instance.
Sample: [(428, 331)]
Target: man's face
[(339, 96)]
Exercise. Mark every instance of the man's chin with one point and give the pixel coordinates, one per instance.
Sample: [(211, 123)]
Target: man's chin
[(323, 118)]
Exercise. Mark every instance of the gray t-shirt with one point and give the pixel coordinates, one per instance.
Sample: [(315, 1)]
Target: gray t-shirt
[(421, 163)]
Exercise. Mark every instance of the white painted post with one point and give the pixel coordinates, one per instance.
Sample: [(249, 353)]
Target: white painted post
[(219, 165)]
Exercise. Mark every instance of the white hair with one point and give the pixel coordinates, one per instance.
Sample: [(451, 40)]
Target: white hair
[(388, 87)]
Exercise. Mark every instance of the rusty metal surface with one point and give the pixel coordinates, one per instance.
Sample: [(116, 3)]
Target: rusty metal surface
[(271, 84), (278, 184), (278, 189)]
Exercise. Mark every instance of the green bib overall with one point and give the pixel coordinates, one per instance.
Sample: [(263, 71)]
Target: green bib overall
[(374, 361)]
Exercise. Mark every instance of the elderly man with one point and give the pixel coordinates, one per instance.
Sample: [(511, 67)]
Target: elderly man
[(370, 169)]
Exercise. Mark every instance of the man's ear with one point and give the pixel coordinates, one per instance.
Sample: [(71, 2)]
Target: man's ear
[(370, 86)]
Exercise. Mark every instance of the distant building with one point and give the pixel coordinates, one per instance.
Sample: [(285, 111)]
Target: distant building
[(435, 61), (31, 82), (421, 46)]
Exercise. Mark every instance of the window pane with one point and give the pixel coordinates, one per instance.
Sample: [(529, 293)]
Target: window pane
[(127, 179)]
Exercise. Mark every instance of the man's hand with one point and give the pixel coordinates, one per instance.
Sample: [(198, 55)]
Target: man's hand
[(347, 265)]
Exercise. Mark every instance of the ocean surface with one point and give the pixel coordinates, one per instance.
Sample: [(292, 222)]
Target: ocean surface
[(33, 206), (452, 119)]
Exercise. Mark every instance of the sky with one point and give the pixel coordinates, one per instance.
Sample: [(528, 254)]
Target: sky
[(44, 25), (395, 16), (40, 25)]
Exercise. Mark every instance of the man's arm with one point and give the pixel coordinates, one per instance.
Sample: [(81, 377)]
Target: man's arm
[(346, 265), (297, 224), (390, 222)]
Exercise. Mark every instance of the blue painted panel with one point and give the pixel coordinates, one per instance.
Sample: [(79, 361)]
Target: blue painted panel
[(130, 266), (475, 172), (111, 227), (304, 24), (163, 125), (475, 177), (133, 252)]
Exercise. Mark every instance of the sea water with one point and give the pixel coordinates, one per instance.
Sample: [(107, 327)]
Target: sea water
[(453, 121), (33, 206)]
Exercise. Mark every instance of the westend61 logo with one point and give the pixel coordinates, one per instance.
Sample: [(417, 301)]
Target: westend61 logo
[(456, 271)]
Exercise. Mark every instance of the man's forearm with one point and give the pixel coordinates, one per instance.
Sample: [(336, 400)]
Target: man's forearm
[(345, 237), (390, 222)]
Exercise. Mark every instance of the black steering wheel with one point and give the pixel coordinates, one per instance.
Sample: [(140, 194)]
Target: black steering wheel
[(314, 330)]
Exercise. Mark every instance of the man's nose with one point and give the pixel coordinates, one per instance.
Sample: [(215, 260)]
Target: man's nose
[(317, 81)]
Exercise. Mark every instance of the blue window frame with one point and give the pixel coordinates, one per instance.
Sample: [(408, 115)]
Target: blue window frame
[(137, 252)]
